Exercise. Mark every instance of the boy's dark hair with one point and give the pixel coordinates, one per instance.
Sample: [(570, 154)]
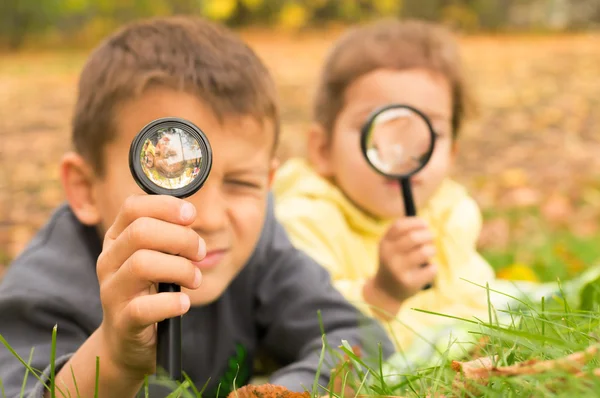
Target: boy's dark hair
[(389, 44), (182, 53)]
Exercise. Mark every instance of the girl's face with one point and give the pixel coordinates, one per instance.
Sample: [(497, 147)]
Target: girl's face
[(343, 161)]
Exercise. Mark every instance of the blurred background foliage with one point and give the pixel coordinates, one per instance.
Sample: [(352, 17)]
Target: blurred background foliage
[(529, 158), (79, 22)]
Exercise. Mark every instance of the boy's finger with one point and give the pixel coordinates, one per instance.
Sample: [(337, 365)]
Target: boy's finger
[(150, 234), (161, 207), (144, 311), (145, 268), (404, 225)]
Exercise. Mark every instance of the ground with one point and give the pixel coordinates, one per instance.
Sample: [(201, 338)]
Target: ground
[(529, 157)]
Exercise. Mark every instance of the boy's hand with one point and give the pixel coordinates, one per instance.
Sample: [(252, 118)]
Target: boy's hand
[(149, 242), (404, 254)]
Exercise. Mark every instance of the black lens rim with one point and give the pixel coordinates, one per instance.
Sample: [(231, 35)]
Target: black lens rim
[(136, 168), (365, 132)]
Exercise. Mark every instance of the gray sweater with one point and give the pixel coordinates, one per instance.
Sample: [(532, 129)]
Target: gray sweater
[(271, 306)]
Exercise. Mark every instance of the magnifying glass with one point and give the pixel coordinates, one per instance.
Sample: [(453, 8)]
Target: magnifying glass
[(397, 141), (170, 156)]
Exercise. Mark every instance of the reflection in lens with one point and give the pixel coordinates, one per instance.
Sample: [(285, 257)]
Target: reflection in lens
[(398, 142), (171, 158)]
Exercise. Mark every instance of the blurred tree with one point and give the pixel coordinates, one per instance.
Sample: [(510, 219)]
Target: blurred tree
[(461, 16), (91, 19), (18, 18), (183, 6), (424, 9)]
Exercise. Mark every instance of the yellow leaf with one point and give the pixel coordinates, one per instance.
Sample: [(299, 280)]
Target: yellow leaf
[(518, 272), (293, 15), (219, 9), (387, 6), (514, 177)]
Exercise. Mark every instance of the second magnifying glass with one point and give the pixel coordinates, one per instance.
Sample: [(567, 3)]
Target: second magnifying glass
[(397, 141)]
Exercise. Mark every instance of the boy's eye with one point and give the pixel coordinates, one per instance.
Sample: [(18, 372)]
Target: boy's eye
[(245, 184)]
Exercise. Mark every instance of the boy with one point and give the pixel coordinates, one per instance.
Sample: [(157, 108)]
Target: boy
[(92, 270), (351, 219)]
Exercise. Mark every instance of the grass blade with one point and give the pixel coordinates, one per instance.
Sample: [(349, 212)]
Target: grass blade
[(28, 367), (26, 364), (53, 363), (97, 383), (75, 383), (192, 386), (199, 394), (315, 387)]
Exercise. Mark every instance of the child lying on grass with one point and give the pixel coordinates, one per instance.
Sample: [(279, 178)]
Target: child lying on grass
[(351, 219), (92, 270)]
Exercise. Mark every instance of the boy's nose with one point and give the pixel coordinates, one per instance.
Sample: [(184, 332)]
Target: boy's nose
[(211, 209)]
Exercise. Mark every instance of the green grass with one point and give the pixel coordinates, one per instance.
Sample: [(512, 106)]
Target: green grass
[(551, 251), (544, 330), (548, 329)]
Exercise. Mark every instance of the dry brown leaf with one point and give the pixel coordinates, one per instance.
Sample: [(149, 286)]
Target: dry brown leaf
[(483, 368), (266, 391)]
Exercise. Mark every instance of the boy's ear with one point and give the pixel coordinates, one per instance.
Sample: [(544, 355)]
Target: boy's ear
[(77, 181), (318, 150)]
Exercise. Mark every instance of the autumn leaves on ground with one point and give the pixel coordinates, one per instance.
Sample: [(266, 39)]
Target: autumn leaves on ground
[(529, 156)]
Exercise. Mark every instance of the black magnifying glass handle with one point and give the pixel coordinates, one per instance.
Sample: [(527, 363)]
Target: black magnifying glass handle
[(168, 344), (410, 209), (409, 202)]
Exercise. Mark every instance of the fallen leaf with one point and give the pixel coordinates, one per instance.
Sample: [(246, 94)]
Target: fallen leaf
[(266, 391), (517, 272)]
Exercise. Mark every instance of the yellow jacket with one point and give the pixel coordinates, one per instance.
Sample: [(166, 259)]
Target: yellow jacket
[(324, 223)]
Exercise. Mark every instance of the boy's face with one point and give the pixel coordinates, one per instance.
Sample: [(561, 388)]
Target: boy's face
[(230, 206), (344, 162)]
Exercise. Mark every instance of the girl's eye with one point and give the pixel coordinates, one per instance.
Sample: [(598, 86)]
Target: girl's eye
[(439, 134)]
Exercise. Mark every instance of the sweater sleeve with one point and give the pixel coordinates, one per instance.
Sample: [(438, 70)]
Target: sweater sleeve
[(52, 283), (26, 324)]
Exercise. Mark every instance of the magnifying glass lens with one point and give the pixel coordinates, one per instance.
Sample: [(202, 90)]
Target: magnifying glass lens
[(399, 142), (171, 158)]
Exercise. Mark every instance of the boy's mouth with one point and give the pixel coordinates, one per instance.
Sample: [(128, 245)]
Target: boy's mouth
[(212, 259)]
